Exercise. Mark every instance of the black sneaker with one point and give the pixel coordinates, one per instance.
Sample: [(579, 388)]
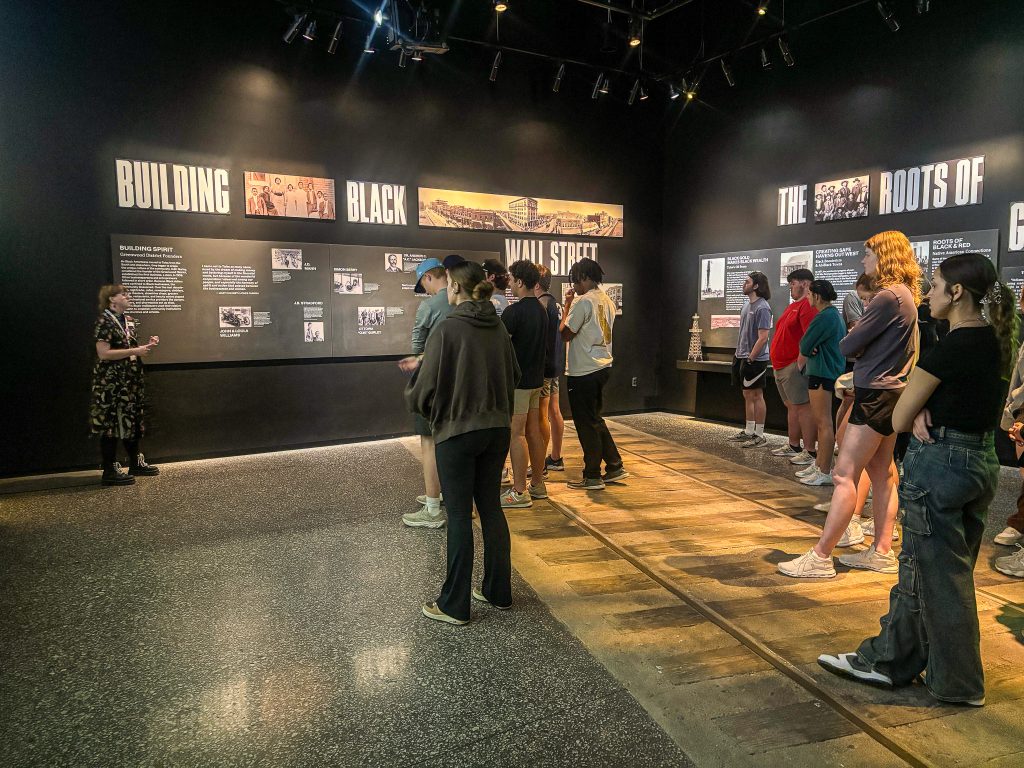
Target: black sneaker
[(615, 475), (142, 469), (552, 465), (116, 476)]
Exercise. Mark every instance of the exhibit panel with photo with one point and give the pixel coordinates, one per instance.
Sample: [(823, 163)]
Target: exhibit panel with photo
[(791, 261), (841, 199), (269, 194), (614, 291), (712, 278), (451, 209)]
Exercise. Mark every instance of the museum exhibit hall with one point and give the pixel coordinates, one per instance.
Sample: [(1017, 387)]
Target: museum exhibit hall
[(541, 382)]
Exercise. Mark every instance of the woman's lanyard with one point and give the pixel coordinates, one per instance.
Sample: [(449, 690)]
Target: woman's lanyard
[(122, 328)]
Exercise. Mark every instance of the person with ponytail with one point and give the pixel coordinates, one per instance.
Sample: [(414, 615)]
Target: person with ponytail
[(952, 406), (465, 389), (119, 388)]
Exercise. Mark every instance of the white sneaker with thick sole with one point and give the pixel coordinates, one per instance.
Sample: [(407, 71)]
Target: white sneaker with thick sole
[(807, 471), (817, 477), (852, 535), (1009, 536), (512, 500), (808, 566), (801, 458), (849, 665), (871, 560), (431, 611), (1012, 565), (424, 519), (867, 526), (784, 450), (479, 597)]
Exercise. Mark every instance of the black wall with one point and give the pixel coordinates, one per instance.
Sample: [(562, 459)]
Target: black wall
[(860, 99), (87, 82)]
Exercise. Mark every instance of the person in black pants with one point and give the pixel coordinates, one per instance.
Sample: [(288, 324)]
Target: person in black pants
[(465, 388), (587, 328)]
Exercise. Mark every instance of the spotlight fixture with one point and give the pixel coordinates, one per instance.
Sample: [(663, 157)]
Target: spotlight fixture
[(500, 7), (766, 62), (557, 85), (923, 6), (690, 89), (597, 86), (762, 7), (887, 15), (643, 93), (310, 33), (605, 85), (401, 59), (417, 55), (293, 30), (494, 67), (786, 55), (332, 46), (635, 30), (727, 73), (672, 92), (378, 17), (634, 92)]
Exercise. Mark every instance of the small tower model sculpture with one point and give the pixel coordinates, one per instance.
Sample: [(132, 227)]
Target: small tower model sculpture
[(695, 354)]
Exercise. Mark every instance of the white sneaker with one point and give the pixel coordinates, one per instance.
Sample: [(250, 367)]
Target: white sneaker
[(868, 527), (1012, 565), (852, 535), (512, 500), (801, 458), (784, 450), (850, 665), (817, 477), (506, 476), (1009, 536), (824, 506), (740, 437), (808, 566), (807, 471), (870, 560), (424, 519)]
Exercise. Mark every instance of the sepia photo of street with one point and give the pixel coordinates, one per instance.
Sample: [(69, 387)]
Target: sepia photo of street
[(506, 213)]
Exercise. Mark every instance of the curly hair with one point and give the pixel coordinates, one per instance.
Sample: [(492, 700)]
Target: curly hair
[(896, 262)]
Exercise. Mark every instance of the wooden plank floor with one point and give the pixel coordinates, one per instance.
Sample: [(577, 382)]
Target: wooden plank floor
[(625, 567)]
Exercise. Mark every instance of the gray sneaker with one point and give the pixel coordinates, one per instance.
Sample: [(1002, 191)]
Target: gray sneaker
[(422, 499), (512, 500), (756, 441), (616, 476), (801, 458), (587, 484), (871, 560), (739, 437), (1012, 565), (539, 491), (424, 519)]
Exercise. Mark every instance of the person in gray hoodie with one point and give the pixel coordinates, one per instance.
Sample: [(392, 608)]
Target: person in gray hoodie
[(465, 389)]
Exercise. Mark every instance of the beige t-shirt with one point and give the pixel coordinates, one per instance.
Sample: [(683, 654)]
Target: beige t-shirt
[(591, 318)]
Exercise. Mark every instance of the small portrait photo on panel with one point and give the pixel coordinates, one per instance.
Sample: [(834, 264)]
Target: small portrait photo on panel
[(370, 317), (791, 261), (313, 332), (841, 199), (235, 317), (286, 258), (392, 262), (348, 283), (712, 278)]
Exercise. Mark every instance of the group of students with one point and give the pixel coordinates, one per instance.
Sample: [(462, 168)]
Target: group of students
[(946, 394), (485, 384)]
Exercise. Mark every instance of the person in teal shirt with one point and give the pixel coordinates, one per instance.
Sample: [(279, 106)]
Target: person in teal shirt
[(824, 363)]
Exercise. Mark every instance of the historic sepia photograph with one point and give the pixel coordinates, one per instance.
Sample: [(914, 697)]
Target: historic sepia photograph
[(314, 331), (235, 317), (614, 291), (922, 254), (291, 197), (286, 258), (793, 260), (712, 278), (370, 317), (841, 199), (348, 283), (507, 213), (392, 262)]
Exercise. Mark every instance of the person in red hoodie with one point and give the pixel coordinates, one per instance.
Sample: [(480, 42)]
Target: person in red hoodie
[(791, 381)]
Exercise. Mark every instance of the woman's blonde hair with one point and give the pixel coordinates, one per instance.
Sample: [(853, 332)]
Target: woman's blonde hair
[(107, 292), (472, 280), (896, 262)]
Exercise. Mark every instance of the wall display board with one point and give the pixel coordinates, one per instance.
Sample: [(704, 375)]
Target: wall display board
[(228, 300), (280, 195), (509, 213), (841, 199), (722, 274)]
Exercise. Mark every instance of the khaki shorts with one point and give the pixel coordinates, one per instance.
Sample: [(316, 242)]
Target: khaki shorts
[(525, 400), (792, 385), (550, 387)]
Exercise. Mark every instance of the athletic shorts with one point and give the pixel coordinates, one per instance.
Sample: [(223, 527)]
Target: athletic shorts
[(749, 374), (792, 385), (525, 400), (820, 382), (550, 387), (873, 408), (421, 426)]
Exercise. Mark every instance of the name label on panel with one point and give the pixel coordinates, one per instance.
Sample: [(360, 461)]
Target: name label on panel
[(946, 184), (792, 206), (368, 202), (172, 187), (556, 255)]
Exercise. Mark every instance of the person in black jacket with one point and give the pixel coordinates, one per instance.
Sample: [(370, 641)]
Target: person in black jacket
[(465, 388)]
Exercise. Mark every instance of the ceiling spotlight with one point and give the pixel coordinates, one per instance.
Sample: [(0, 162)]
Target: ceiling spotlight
[(923, 6), (762, 8), (690, 90), (635, 30), (557, 85), (500, 7), (332, 46), (417, 55), (673, 93), (401, 59), (887, 15), (634, 92), (643, 94), (378, 17), (727, 73), (494, 67), (605, 85), (597, 86), (293, 30), (786, 55), (310, 33), (766, 62)]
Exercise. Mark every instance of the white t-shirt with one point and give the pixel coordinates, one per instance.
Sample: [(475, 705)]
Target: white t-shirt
[(591, 318)]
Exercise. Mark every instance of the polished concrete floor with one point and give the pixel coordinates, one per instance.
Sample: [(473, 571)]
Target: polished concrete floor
[(264, 611)]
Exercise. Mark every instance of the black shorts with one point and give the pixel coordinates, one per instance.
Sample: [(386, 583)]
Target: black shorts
[(820, 382), (873, 408), (749, 374)]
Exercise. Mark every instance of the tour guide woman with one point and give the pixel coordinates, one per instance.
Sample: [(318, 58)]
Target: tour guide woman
[(118, 387), (465, 388), (951, 405)]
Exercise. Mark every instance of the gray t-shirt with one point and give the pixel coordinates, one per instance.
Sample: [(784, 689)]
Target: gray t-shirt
[(884, 341), (754, 316), (853, 308)]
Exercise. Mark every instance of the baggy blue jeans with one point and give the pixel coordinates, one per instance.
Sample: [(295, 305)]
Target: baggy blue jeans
[(932, 624)]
